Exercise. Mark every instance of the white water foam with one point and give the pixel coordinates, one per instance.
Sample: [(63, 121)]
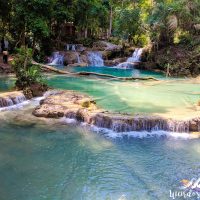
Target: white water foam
[(68, 120), (132, 134), (141, 134), (16, 106), (131, 61), (34, 101)]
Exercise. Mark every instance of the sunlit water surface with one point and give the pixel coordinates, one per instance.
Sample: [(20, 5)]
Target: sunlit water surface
[(42, 159), (159, 97), (51, 160)]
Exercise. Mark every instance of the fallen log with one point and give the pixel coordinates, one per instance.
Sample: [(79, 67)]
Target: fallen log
[(53, 69)]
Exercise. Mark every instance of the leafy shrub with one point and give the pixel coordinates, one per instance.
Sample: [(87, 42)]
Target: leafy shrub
[(26, 73)]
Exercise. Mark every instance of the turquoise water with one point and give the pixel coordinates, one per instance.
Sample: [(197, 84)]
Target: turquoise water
[(6, 83), (117, 71), (49, 159), (41, 160), (134, 97)]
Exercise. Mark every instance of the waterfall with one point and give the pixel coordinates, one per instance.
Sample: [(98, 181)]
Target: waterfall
[(11, 99), (95, 59), (136, 57), (57, 59), (73, 47), (131, 61), (70, 47), (78, 58), (127, 124)]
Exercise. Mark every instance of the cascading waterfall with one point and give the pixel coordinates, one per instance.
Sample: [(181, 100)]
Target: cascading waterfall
[(136, 57), (73, 47), (70, 47), (57, 59), (144, 124), (78, 58), (11, 100), (95, 59), (131, 61)]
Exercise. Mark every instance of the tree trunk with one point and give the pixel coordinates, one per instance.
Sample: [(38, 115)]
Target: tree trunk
[(111, 20), (34, 41), (86, 32)]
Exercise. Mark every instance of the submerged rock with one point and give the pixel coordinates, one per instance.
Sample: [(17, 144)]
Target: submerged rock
[(83, 108)]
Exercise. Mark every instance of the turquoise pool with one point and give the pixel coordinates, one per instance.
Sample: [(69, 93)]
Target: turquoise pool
[(42, 160), (164, 97), (50, 159), (118, 72)]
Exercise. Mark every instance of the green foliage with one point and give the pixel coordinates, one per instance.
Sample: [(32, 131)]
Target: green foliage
[(39, 22), (26, 73), (87, 42), (127, 22)]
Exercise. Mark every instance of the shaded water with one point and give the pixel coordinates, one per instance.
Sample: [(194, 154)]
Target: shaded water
[(42, 160), (135, 97)]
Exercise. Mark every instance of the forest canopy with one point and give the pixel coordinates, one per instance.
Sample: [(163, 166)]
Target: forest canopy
[(137, 21)]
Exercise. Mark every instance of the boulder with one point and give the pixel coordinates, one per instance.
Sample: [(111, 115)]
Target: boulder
[(70, 57), (194, 125), (38, 89), (84, 58)]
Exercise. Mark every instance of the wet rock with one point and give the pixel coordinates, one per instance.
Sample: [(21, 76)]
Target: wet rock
[(49, 111), (194, 125), (115, 61), (38, 89), (84, 58), (82, 108), (35, 90), (70, 57), (66, 103)]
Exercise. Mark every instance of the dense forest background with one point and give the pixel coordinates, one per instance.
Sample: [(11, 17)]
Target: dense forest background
[(167, 26)]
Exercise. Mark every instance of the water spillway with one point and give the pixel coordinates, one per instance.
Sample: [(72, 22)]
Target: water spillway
[(57, 59), (136, 57), (122, 123), (133, 60), (11, 98), (95, 59)]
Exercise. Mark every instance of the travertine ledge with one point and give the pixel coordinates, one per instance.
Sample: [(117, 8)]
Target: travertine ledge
[(71, 104)]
